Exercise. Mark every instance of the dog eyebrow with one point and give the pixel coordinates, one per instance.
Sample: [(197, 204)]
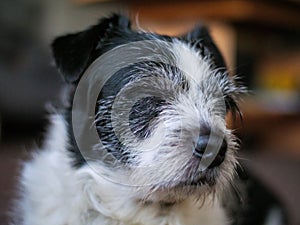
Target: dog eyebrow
[(139, 70), (164, 70)]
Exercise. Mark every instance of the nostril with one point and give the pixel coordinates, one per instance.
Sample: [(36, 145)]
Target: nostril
[(201, 146), (220, 157), (202, 142), (223, 148)]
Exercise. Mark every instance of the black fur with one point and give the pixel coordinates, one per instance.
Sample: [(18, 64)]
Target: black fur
[(142, 114), (73, 53)]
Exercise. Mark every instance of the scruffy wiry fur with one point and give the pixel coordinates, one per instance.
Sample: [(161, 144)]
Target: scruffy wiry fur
[(65, 185), (56, 193)]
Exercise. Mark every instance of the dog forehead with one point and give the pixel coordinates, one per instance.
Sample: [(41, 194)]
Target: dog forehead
[(156, 59), (187, 58), (124, 37), (161, 49)]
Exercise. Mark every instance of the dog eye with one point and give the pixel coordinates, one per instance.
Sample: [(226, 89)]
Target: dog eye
[(143, 114)]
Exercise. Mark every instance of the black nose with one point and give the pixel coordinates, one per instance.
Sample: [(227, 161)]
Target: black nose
[(216, 152)]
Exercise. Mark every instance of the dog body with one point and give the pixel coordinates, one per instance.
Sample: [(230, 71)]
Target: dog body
[(163, 155), (57, 194)]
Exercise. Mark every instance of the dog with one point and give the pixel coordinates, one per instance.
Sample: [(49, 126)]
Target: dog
[(141, 138)]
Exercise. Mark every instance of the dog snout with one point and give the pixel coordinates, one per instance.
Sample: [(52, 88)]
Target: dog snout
[(209, 146)]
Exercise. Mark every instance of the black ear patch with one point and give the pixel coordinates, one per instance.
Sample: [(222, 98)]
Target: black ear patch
[(74, 52), (200, 38)]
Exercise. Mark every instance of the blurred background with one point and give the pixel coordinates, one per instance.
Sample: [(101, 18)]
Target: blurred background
[(259, 39)]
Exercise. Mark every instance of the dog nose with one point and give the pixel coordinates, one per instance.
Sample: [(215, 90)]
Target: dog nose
[(202, 149)]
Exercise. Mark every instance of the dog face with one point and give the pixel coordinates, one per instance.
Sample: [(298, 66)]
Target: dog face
[(158, 107)]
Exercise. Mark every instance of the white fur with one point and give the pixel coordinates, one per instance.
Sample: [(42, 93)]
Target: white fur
[(56, 193)]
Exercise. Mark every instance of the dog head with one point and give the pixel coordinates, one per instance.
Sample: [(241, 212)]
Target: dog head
[(150, 110)]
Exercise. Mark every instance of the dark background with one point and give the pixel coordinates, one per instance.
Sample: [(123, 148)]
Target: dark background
[(260, 41)]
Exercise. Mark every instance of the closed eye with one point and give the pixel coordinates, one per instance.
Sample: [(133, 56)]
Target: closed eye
[(143, 114)]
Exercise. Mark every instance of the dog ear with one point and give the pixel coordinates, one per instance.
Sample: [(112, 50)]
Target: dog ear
[(201, 39), (73, 52)]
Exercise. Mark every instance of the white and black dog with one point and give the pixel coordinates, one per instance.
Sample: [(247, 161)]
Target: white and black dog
[(143, 139)]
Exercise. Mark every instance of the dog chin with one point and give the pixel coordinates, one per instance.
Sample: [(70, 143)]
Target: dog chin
[(177, 191)]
